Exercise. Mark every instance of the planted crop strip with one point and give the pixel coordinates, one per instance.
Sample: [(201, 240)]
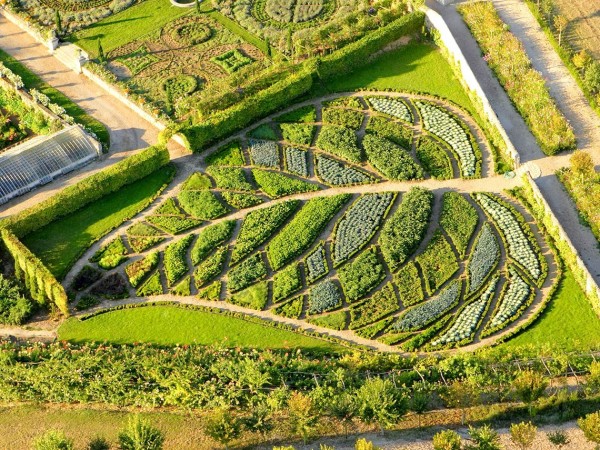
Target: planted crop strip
[(446, 127), (391, 106), (358, 225), (264, 153), (468, 319), (323, 297), (295, 161), (515, 300), (484, 258), (519, 245), (338, 174), (379, 305), (316, 264), (175, 259)]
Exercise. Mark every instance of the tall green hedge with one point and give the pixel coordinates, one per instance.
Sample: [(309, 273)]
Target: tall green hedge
[(87, 190), (41, 285)]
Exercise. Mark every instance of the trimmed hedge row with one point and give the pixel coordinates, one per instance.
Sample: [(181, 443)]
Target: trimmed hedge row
[(87, 191), (41, 285)]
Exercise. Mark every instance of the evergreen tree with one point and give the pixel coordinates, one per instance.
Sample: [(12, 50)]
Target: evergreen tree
[(58, 22), (100, 51)]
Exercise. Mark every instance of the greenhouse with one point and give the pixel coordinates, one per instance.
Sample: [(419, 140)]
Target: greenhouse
[(40, 160)]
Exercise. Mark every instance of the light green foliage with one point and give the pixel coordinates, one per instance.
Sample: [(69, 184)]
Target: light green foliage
[(277, 185), (408, 282), (259, 225), (304, 114), (209, 238), (253, 297), (298, 133), (382, 303), (202, 204), (434, 159), (152, 286), (389, 159), (169, 207), (140, 434), (175, 259), (53, 440), (245, 273), (286, 282), (303, 229), (111, 255), (438, 262), (370, 331), (183, 288), (212, 292), (446, 440), (339, 141), (363, 444), (362, 275), (523, 434), (142, 236), (459, 219), (137, 271), (291, 309), (222, 427), (346, 118), (485, 438), (227, 155), (230, 178), (381, 402), (335, 321), (196, 182), (210, 267), (173, 224), (241, 201)]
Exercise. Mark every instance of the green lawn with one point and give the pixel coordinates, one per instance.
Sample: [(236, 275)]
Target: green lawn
[(127, 26), (568, 323), (31, 80), (416, 67), (60, 243), (169, 325)]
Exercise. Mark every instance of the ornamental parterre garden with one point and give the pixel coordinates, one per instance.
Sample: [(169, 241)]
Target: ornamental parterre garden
[(291, 226)]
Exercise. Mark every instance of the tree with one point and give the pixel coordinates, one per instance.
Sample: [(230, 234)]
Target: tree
[(343, 407), (381, 402), (139, 434), (268, 46), (523, 434), (302, 415), (260, 418), (101, 57), (590, 425), (529, 386), (485, 438), (462, 394), (560, 23), (558, 438), (581, 59), (222, 427), (53, 440), (98, 443), (58, 22), (446, 440), (419, 401)]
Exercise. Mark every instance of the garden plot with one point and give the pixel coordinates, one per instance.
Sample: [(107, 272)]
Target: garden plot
[(410, 267)]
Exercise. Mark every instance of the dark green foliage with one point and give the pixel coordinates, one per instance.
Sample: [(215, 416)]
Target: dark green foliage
[(15, 308), (382, 303), (210, 267), (254, 297), (339, 141), (291, 309), (459, 219), (227, 155), (209, 238), (241, 201), (346, 118), (173, 224), (389, 159), (362, 275), (202, 204), (408, 282), (393, 131), (112, 287), (152, 286), (98, 443), (245, 273), (264, 131), (175, 259), (434, 159), (87, 302), (196, 182), (276, 185), (88, 190), (438, 262), (137, 271), (87, 276), (303, 229), (111, 255), (402, 232), (333, 321), (260, 225), (230, 178), (298, 133), (286, 281), (306, 114)]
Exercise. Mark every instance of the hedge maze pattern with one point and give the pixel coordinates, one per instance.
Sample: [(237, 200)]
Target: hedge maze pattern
[(414, 268)]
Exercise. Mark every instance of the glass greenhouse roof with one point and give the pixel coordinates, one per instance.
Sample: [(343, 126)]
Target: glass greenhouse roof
[(40, 160)]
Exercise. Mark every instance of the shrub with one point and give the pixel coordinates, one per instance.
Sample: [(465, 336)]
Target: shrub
[(339, 141), (389, 159), (523, 434), (286, 282), (137, 271), (253, 297), (346, 118), (209, 238), (291, 309), (87, 276), (98, 443), (277, 185), (404, 230), (228, 155), (323, 297), (392, 131), (446, 440), (53, 440), (222, 427), (233, 178), (382, 303), (111, 255), (113, 287), (15, 308), (434, 159), (241, 201), (175, 259), (260, 225), (210, 267), (140, 434), (361, 276), (303, 229), (408, 282), (298, 133), (246, 273), (485, 438), (202, 204), (459, 219), (152, 286), (438, 262), (172, 225)]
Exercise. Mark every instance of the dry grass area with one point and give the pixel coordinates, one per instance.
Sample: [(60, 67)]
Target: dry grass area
[(584, 27)]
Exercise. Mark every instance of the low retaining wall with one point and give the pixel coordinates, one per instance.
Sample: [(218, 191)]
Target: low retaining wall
[(23, 25), (434, 20)]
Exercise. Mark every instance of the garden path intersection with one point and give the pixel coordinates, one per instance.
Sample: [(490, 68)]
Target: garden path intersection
[(118, 120)]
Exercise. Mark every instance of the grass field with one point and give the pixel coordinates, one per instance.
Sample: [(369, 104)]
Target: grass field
[(169, 325), (569, 322), (417, 67), (33, 81), (583, 31), (128, 25), (61, 242)]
